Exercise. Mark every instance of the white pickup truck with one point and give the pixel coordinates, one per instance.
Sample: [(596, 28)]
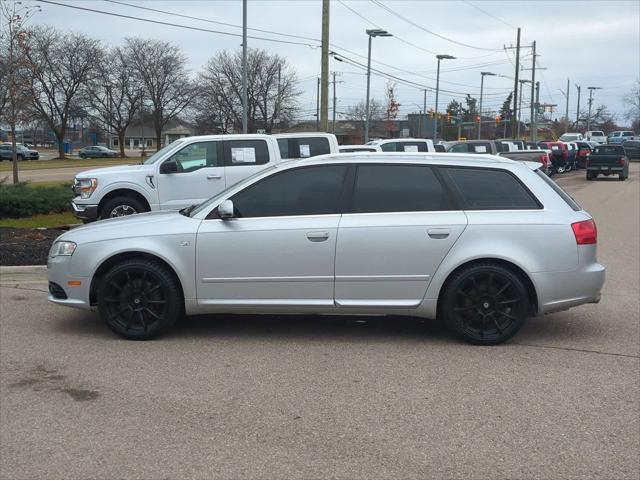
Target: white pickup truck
[(185, 172)]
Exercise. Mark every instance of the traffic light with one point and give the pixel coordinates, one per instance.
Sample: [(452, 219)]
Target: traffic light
[(439, 115), (448, 117), (498, 119)]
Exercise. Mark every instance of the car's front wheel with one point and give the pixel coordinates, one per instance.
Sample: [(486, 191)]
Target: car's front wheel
[(485, 304), (121, 207), (139, 299)]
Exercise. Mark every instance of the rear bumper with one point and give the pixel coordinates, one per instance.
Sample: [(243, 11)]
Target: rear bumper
[(562, 290), (605, 168), (85, 212)]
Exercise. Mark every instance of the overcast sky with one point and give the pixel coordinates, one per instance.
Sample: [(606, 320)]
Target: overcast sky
[(593, 43)]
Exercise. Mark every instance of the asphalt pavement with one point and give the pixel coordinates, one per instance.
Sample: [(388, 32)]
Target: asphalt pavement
[(331, 397)]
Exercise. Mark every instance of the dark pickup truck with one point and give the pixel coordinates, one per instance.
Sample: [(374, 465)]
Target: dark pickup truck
[(608, 160)]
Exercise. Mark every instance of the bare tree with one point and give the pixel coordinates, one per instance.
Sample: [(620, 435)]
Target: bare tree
[(162, 70), (114, 95), (357, 113), (61, 65), (271, 91), (14, 68)]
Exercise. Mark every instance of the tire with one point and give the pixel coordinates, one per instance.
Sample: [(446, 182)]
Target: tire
[(82, 155), (121, 207), (560, 169), (20, 158), (591, 176), (485, 304), (622, 177), (139, 299)]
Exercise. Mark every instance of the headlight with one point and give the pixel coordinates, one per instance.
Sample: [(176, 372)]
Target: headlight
[(62, 248), (85, 186)]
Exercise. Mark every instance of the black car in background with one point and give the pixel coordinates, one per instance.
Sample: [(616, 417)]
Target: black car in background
[(632, 147), (97, 152), (608, 160)]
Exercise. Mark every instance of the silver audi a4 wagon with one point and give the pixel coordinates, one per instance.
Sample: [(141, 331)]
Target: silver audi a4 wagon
[(460, 238)]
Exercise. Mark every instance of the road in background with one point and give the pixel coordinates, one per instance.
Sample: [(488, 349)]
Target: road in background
[(315, 397)]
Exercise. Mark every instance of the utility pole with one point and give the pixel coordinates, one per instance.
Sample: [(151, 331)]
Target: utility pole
[(424, 112), (318, 106), (535, 112), (245, 115), (515, 88), (591, 89), (566, 111), (534, 128), (522, 82), (333, 127), (579, 87), (324, 72)]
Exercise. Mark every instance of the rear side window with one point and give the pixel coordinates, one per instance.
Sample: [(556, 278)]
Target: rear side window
[(240, 153), (303, 147), (488, 189), (564, 195), (398, 188), (460, 148)]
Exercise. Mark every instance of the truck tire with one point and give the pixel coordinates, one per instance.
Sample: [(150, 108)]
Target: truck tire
[(121, 206), (622, 177)]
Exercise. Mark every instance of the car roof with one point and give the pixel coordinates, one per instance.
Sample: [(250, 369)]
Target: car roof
[(389, 140), (303, 134), (437, 158)]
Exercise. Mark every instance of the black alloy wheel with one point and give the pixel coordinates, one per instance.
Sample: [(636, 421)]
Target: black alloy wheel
[(139, 299), (486, 304)]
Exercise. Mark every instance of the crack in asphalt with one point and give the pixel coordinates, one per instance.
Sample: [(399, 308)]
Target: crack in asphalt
[(583, 350)]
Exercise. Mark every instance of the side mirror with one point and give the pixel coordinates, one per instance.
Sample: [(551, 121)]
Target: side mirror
[(170, 166), (225, 210)]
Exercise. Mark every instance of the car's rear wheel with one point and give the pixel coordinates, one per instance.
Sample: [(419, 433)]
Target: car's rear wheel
[(139, 299), (121, 207), (622, 177), (591, 176), (485, 304), (560, 169)]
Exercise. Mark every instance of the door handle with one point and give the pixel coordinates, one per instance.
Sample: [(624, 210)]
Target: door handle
[(214, 177), (438, 233), (317, 236)]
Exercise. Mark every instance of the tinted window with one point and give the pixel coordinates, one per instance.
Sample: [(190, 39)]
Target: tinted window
[(439, 148), (411, 146), (303, 147), (398, 188), (487, 189), (564, 195), (460, 148), (609, 150), (283, 144), (196, 156), (302, 191), (388, 147), (246, 152)]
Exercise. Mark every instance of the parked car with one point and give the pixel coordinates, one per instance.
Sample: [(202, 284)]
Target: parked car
[(584, 149), (404, 145), (306, 145), (183, 173), (519, 144), (500, 147), (595, 136), (559, 155), (632, 148), (458, 238), (571, 137), (97, 151), (22, 152), (619, 136), (358, 148), (608, 160)]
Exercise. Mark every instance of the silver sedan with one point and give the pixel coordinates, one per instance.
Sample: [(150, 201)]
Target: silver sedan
[(458, 237)]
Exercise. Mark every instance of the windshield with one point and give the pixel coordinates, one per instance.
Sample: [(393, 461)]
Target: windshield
[(156, 156), (204, 205)]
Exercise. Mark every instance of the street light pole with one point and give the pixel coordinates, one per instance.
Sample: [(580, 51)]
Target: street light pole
[(482, 75), (375, 32), (591, 89), (435, 118)]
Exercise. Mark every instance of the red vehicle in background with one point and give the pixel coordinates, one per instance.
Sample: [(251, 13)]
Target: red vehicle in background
[(584, 149), (559, 156)]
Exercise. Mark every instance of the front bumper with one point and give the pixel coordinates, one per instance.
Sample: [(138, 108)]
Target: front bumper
[(88, 213), (77, 296)]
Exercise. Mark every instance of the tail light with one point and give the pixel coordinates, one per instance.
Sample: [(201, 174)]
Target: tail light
[(585, 232), (544, 158), (622, 159)]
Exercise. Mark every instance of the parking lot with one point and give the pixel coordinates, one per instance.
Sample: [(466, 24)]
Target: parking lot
[(318, 397)]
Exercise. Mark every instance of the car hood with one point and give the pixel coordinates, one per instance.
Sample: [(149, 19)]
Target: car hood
[(144, 224), (115, 170)]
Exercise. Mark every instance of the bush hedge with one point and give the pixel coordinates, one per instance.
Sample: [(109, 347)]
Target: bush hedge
[(25, 200)]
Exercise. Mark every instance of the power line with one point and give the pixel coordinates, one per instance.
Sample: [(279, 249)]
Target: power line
[(410, 22), (489, 14), (158, 22)]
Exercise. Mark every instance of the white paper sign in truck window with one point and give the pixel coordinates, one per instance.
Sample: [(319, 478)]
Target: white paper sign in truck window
[(410, 148), (305, 151), (243, 155), (480, 149)]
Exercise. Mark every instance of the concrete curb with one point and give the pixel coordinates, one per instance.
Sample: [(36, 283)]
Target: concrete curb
[(8, 270), (23, 275)]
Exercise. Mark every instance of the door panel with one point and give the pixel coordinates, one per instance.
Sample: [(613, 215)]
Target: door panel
[(267, 261), (388, 259)]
